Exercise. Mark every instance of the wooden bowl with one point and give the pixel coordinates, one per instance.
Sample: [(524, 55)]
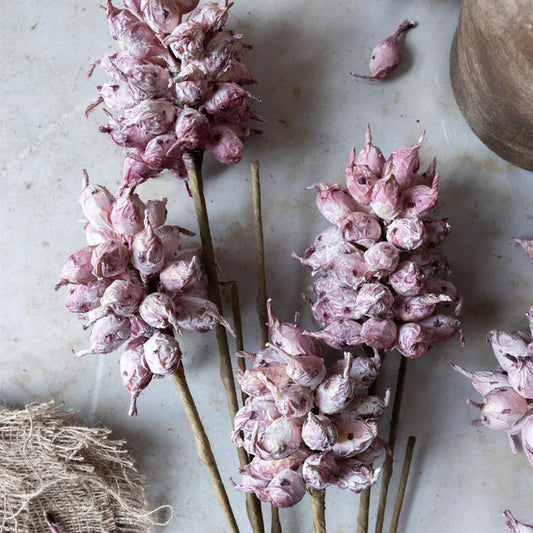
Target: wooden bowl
[(491, 70)]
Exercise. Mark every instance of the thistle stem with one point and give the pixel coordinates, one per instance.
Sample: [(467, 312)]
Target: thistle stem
[(318, 509), (393, 431), (403, 483), (261, 289), (253, 505), (203, 446)]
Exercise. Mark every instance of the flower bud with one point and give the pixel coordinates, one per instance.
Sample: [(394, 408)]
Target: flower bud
[(379, 333), (157, 212), (504, 344), (319, 432), (262, 412), (420, 200), (441, 328), (183, 273), (484, 382), (501, 408), (96, 203), (414, 308), (162, 354), (191, 128), (170, 237), (371, 155), (405, 162), (279, 440), (385, 198), (78, 268), (85, 298), (320, 470), (108, 333), (413, 340), (224, 144), (285, 490), (199, 314), (355, 476), (375, 300), (406, 233), (354, 435), (436, 232), (408, 279), (292, 401), (340, 334), (123, 297), (359, 180), (333, 202), (127, 214), (148, 252), (110, 259), (337, 390), (521, 375), (360, 228), (382, 259), (135, 376), (158, 310)]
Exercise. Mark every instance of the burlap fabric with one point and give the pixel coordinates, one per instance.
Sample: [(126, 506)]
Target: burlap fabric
[(86, 482)]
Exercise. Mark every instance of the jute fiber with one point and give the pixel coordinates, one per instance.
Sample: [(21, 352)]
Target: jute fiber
[(84, 481)]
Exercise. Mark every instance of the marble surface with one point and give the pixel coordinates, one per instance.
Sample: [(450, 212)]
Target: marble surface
[(462, 476)]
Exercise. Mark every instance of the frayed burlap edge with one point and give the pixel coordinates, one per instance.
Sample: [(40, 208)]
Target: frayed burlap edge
[(74, 473)]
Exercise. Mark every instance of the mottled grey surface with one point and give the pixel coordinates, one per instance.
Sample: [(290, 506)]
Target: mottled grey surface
[(462, 477)]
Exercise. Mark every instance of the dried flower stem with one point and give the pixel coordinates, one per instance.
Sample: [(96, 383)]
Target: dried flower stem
[(204, 448), (403, 483), (261, 289), (260, 251), (393, 431), (253, 505), (318, 509), (362, 517)]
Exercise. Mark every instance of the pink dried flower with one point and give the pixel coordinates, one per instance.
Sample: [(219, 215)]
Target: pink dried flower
[(520, 375), (405, 162), (158, 310), (415, 308), (408, 279), (375, 300), (96, 203), (379, 333), (413, 340), (385, 198), (85, 298), (223, 143), (508, 344), (170, 237), (360, 228), (386, 55), (514, 526), (127, 214), (355, 435), (148, 252), (341, 334), (319, 432), (279, 440), (123, 297), (420, 200), (527, 245)]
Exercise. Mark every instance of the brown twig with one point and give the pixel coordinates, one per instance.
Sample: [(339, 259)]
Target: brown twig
[(393, 431), (403, 483), (203, 447), (261, 288), (253, 505), (318, 509)]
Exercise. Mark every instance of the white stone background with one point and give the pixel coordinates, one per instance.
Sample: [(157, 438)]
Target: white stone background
[(462, 476)]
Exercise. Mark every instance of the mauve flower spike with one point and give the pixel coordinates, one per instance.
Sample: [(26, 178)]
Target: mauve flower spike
[(386, 55)]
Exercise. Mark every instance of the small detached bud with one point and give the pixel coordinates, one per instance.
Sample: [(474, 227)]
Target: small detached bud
[(386, 55)]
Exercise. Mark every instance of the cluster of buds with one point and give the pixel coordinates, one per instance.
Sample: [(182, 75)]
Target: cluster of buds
[(306, 425), (379, 265), (508, 391), (176, 86), (136, 285)]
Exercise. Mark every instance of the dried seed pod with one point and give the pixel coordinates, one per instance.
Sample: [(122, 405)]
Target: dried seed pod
[(385, 198), (375, 300), (408, 279), (183, 273), (371, 156), (360, 180), (279, 440), (123, 297), (199, 314), (266, 470), (262, 412), (319, 432), (96, 203), (127, 214), (520, 375), (354, 434), (158, 310), (162, 353), (171, 239), (341, 334), (148, 251), (292, 401), (379, 333), (405, 162), (415, 308), (504, 344), (85, 298), (406, 234), (413, 340), (360, 228), (382, 259)]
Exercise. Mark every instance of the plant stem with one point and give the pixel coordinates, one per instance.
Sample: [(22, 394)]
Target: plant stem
[(275, 526), (203, 447), (253, 505), (260, 254), (364, 499), (318, 509), (403, 483), (393, 431)]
